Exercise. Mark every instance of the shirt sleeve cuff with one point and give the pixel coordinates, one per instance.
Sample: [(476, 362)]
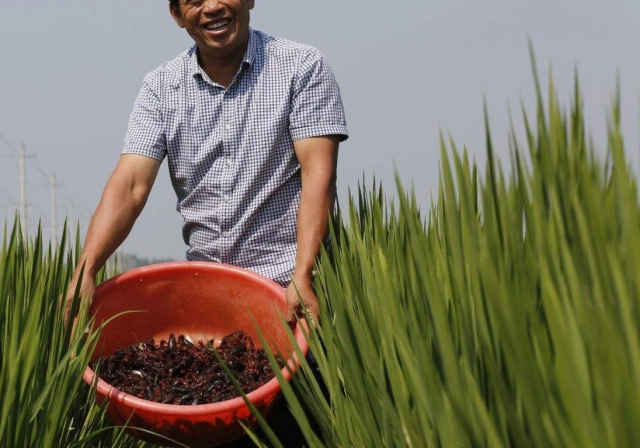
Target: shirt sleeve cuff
[(144, 152), (320, 131)]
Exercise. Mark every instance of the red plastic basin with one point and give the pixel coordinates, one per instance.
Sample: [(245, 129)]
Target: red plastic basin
[(205, 301)]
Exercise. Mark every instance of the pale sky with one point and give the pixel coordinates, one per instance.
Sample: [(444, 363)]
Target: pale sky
[(70, 71)]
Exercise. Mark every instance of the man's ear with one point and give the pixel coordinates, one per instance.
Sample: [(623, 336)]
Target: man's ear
[(177, 15)]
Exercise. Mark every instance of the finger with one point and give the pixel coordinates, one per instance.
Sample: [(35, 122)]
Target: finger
[(291, 314)]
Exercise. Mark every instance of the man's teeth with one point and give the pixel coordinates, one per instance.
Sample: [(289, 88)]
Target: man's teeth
[(217, 25)]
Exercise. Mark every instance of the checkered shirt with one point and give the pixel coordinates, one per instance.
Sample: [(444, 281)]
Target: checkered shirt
[(230, 150)]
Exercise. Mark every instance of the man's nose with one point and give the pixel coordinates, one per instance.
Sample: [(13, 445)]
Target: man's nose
[(212, 6)]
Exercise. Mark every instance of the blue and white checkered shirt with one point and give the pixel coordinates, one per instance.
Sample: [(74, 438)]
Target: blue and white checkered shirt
[(230, 150)]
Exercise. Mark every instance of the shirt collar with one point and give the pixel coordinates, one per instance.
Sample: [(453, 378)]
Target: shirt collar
[(249, 55)]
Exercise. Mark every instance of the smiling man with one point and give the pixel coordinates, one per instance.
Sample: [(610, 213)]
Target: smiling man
[(250, 126)]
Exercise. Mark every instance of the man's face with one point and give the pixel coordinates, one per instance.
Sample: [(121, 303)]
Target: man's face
[(219, 27)]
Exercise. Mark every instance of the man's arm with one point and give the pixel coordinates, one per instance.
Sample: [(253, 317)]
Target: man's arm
[(122, 200), (318, 158)]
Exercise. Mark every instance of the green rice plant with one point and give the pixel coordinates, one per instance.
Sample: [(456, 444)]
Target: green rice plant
[(507, 316), (45, 400)]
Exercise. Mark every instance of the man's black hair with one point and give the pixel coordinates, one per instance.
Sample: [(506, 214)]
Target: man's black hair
[(175, 3)]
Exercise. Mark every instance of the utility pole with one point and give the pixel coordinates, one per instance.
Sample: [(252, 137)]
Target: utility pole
[(23, 190), (54, 217)]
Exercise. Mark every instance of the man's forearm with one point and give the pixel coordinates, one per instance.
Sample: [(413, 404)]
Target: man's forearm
[(316, 203)]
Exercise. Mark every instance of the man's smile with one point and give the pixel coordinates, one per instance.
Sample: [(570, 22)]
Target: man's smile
[(217, 25)]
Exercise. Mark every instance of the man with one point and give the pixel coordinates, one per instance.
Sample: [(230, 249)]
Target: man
[(250, 126)]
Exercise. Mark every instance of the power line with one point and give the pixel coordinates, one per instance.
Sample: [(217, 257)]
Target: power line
[(36, 163), (43, 179), (12, 158), (8, 144)]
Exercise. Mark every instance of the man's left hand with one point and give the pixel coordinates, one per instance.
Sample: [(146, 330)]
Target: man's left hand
[(301, 291)]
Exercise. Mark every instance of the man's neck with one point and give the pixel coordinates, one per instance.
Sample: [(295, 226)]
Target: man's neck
[(221, 68)]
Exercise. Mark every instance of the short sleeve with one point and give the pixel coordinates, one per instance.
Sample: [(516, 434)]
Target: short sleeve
[(145, 133), (317, 107)]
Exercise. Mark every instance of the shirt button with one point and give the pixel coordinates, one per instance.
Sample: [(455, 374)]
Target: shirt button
[(225, 234), (226, 198), (228, 162), (227, 127)]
